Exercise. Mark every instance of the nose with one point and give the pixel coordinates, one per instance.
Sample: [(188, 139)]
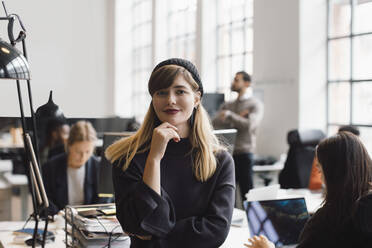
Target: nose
[(171, 99)]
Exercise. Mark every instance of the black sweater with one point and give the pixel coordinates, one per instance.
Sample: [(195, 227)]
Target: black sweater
[(354, 232), (189, 213)]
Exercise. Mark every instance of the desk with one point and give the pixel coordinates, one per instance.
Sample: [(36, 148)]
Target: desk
[(7, 237), (236, 237)]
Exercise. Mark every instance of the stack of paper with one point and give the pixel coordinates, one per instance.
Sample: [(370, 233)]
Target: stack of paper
[(95, 227)]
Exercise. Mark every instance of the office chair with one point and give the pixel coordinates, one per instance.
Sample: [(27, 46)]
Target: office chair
[(297, 167)]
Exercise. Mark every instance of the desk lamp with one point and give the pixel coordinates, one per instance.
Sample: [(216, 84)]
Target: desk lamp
[(14, 65)]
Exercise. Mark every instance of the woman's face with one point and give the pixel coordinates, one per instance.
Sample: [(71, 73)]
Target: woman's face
[(175, 104), (79, 153)]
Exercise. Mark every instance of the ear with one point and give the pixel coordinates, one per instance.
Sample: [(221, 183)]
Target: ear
[(197, 98)]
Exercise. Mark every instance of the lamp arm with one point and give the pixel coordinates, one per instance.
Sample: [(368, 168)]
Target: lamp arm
[(22, 33)]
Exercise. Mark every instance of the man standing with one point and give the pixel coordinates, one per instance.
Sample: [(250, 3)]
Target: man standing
[(243, 114)]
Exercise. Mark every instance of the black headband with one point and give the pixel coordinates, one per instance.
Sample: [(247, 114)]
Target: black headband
[(190, 67)]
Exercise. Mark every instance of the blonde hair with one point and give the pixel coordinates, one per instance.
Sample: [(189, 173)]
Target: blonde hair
[(81, 131), (204, 143)]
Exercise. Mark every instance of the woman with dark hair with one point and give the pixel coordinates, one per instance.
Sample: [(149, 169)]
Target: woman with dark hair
[(345, 219), (57, 131), (174, 184)]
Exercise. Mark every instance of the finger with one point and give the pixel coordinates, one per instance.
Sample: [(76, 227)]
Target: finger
[(255, 238), (263, 237), (175, 136), (251, 240), (168, 125), (247, 245)]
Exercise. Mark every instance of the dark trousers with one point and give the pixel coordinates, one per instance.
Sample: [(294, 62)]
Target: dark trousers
[(243, 172)]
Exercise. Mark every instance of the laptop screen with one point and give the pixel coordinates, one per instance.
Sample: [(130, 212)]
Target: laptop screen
[(281, 221)]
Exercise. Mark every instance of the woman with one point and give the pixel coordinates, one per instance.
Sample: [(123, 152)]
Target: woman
[(345, 219), (174, 184), (71, 177)]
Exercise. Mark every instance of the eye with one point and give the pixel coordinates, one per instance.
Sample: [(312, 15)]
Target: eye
[(161, 93), (180, 92)]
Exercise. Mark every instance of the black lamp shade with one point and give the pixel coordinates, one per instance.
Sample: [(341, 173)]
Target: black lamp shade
[(13, 65)]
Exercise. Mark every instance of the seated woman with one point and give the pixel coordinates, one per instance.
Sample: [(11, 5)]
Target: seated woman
[(174, 184), (71, 178), (345, 219)]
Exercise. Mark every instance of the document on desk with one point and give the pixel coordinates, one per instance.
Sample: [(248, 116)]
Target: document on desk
[(97, 223)]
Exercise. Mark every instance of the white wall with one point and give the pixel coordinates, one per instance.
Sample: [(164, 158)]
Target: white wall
[(276, 70), (123, 56), (313, 38), (70, 48), (289, 68)]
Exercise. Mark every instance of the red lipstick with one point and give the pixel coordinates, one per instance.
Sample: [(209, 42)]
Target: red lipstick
[(171, 111)]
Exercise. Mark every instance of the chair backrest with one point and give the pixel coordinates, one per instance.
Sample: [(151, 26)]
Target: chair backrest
[(105, 184), (297, 167)]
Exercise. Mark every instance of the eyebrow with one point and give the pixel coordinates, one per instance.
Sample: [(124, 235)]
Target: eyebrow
[(179, 87), (176, 87)]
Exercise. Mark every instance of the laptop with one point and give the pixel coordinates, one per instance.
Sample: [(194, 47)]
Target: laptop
[(281, 220), (227, 137)]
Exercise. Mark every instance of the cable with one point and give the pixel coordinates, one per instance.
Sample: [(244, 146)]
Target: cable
[(102, 225), (110, 237), (109, 233), (28, 219)]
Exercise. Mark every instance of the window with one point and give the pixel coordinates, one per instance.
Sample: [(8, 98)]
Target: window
[(234, 40), (225, 28), (349, 77), (141, 54), (181, 29)]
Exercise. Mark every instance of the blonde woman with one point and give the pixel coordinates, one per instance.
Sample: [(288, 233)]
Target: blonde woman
[(72, 177), (174, 184)]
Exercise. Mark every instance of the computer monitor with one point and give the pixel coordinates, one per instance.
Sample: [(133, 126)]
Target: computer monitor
[(227, 137), (212, 102), (281, 221), (105, 185)]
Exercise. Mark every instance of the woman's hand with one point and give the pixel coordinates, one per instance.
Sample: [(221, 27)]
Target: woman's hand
[(259, 242), (160, 138)]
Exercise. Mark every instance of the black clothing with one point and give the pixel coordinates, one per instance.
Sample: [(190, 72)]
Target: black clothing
[(244, 172), (55, 182), (320, 232), (189, 213), (56, 150)]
